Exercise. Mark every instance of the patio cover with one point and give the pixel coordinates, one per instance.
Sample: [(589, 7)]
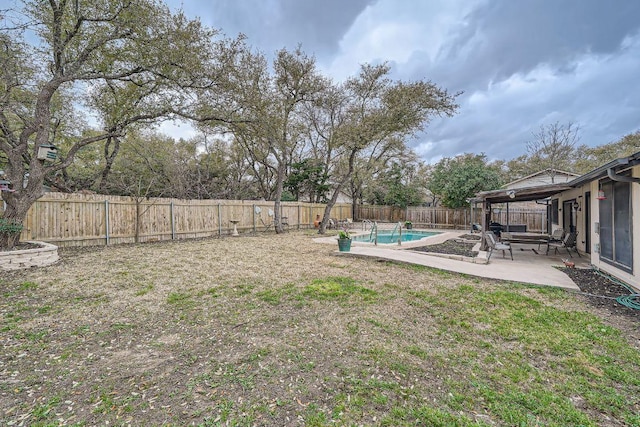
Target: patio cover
[(525, 194)]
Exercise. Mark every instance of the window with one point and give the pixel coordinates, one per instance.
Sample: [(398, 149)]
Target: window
[(616, 244)]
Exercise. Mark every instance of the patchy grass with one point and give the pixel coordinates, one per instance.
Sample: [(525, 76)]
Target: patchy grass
[(276, 330)]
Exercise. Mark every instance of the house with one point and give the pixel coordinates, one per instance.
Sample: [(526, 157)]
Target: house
[(543, 177), (601, 206)]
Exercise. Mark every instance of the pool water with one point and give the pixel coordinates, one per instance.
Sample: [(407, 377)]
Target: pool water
[(385, 237)]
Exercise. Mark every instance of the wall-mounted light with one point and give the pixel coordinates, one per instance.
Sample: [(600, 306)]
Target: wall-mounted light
[(576, 206), (511, 194)]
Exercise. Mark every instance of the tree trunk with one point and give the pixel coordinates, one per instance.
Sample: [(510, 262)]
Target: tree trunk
[(13, 218), (277, 219), (334, 198), (109, 158)]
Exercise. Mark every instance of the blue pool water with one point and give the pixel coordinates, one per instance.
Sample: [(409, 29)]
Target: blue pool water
[(385, 237)]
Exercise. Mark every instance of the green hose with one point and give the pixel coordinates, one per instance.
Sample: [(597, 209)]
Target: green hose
[(632, 300)]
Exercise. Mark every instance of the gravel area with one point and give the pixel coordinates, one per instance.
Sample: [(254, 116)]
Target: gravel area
[(450, 247), (601, 291)]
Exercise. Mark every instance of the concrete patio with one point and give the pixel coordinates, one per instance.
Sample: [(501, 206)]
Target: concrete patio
[(527, 266)]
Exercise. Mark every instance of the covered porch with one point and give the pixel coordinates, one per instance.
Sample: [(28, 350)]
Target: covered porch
[(539, 194)]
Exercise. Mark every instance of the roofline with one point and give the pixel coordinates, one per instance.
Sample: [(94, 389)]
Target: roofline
[(523, 194), (540, 173), (601, 172)]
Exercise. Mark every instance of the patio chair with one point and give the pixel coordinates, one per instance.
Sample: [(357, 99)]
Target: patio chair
[(266, 225), (568, 242), (493, 244), (557, 235)]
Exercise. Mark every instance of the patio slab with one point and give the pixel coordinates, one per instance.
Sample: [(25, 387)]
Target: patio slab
[(527, 266)]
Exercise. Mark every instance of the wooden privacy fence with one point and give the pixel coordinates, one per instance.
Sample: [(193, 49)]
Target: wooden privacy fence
[(534, 219), (85, 220), (92, 219)]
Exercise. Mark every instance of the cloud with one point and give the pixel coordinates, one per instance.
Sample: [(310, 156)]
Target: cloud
[(397, 31), (275, 24), (597, 92), (520, 63)]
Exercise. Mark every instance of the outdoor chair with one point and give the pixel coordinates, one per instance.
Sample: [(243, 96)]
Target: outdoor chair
[(493, 244), (568, 242), (557, 235), (266, 225)]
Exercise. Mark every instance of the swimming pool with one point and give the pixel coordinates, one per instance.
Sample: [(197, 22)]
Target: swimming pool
[(385, 237)]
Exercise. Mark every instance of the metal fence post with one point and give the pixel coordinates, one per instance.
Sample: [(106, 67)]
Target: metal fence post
[(173, 222), (254, 218), (106, 222)]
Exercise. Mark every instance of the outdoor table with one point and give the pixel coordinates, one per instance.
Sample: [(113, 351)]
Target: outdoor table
[(525, 238)]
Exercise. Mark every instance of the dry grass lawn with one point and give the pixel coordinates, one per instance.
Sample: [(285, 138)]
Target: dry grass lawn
[(280, 331)]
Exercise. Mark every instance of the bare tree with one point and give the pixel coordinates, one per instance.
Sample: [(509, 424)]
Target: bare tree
[(553, 148)]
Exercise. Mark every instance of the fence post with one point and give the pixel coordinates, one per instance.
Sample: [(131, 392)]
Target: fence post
[(106, 222), (254, 217), (219, 220), (298, 215), (173, 222)]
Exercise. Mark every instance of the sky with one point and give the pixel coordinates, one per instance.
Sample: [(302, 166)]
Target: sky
[(521, 64)]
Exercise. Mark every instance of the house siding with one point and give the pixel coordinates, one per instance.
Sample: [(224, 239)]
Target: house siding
[(633, 277)]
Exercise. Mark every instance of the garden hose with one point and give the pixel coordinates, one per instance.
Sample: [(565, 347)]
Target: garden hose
[(632, 300)]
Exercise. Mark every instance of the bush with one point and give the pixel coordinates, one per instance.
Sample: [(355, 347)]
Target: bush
[(10, 226)]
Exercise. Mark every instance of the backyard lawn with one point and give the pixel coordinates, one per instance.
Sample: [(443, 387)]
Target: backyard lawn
[(279, 331)]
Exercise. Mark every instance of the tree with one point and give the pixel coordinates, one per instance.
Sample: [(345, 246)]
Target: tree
[(592, 157), (553, 148), (373, 115), (457, 179), (268, 108), (398, 185), (127, 61), (307, 177)]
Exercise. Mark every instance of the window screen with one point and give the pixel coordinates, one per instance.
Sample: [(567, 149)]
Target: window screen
[(616, 245)]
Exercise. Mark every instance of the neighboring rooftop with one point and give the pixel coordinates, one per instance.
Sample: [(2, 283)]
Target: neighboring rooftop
[(542, 178)]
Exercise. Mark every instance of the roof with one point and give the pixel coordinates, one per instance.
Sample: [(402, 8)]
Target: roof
[(547, 171), (524, 194), (540, 192)]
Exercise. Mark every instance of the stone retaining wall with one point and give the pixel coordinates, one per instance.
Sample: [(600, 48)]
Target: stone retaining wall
[(46, 254)]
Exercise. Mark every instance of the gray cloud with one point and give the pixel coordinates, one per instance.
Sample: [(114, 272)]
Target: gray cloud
[(575, 60), (505, 37), (520, 63), (273, 24)]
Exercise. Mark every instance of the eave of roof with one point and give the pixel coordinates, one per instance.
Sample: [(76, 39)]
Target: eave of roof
[(601, 172), (547, 172), (524, 194)]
